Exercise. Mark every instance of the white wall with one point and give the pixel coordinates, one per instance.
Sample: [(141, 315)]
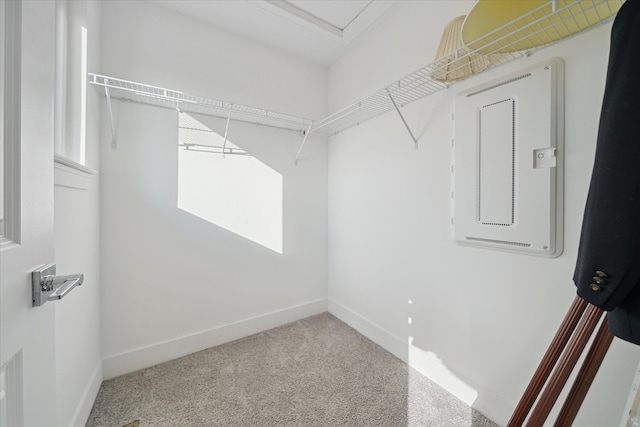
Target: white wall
[(172, 282), (480, 319), (77, 244)]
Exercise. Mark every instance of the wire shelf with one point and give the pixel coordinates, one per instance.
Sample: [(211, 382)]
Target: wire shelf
[(167, 98), (538, 28)]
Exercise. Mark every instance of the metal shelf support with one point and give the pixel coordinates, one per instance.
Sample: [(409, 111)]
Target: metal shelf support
[(114, 142), (415, 140), (306, 135), (226, 132)]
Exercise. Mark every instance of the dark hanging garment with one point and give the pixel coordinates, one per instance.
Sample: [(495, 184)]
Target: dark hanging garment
[(607, 271)]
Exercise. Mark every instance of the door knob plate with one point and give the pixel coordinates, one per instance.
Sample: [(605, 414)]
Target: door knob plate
[(46, 286)]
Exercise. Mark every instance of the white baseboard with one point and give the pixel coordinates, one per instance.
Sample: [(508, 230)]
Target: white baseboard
[(145, 357), (485, 401), (385, 339), (83, 410)]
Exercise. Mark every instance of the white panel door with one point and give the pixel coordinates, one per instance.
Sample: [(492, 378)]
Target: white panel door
[(27, 334)]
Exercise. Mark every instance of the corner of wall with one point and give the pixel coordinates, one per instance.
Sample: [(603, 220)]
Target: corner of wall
[(385, 339), (148, 356), (81, 415)]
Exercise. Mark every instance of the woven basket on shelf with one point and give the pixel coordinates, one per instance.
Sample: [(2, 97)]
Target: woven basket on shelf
[(454, 61)]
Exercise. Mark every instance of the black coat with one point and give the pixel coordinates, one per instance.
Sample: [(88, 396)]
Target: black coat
[(607, 271)]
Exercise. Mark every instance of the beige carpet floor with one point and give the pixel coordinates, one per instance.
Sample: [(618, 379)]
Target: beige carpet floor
[(315, 372)]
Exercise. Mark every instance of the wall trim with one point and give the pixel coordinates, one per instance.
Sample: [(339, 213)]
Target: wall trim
[(69, 174), (144, 357), (62, 160), (385, 339), (82, 412)]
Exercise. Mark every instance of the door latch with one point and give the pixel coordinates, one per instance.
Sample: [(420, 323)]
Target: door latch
[(46, 286)]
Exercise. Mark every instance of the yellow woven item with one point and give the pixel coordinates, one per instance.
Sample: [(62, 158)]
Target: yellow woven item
[(453, 60), (532, 22)]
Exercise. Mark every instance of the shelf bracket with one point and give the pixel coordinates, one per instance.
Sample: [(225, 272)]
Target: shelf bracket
[(226, 131), (415, 141), (306, 135), (114, 143)]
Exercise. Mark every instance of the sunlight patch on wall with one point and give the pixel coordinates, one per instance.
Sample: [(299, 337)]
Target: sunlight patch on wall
[(430, 365), (226, 186)]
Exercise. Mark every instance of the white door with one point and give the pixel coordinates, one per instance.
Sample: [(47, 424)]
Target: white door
[(27, 334)]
